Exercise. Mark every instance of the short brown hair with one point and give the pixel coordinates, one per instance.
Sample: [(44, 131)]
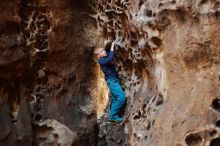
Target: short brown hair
[(98, 50)]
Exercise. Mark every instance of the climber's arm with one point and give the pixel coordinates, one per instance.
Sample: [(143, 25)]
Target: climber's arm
[(110, 56), (108, 59), (112, 46)]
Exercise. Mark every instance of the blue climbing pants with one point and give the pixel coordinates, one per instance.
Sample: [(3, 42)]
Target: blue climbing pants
[(118, 97)]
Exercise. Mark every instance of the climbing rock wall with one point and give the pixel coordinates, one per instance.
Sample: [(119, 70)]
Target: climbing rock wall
[(168, 57), (52, 91), (47, 75)]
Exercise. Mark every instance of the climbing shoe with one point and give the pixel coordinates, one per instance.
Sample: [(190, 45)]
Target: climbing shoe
[(115, 119)]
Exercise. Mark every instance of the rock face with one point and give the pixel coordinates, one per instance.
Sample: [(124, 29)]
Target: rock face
[(52, 91), (168, 56), (47, 73)]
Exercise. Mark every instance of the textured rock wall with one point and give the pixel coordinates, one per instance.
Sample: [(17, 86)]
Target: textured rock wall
[(47, 74), (168, 57)]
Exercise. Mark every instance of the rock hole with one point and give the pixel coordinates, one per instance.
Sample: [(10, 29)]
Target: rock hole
[(217, 123), (217, 14), (28, 35), (41, 134), (181, 15), (157, 41), (149, 13), (139, 113), (37, 117), (153, 122), (154, 98), (145, 138), (215, 142), (216, 104), (144, 106), (160, 5), (39, 96), (138, 138), (193, 139), (148, 126), (212, 133), (173, 2), (134, 42), (216, 5), (55, 135), (36, 108), (119, 69), (138, 116), (159, 100), (140, 3)]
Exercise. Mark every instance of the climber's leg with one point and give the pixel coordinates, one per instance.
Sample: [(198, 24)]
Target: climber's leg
[(113, 100), (118, 97)]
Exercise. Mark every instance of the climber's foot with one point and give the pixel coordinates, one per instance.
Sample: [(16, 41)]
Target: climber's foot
[(115, 120)]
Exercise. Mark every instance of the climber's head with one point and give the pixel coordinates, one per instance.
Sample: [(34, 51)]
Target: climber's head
[(100, 52)]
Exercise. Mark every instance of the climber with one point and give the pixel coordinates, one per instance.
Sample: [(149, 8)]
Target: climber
[(106, 61)]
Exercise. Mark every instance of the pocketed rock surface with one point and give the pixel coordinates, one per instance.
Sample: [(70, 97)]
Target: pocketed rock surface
[(52, 91), (47, 74), (168, 56)]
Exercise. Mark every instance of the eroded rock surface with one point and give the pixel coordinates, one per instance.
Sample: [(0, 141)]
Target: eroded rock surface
[(47, 73), (52, 91), (168, 57)]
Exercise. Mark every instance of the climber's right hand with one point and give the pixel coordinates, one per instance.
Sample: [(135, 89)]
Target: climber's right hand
[(112, 46)]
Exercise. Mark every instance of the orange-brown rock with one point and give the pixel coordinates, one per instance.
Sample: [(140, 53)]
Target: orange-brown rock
[(47, 73), (52, 91), (168, 56)]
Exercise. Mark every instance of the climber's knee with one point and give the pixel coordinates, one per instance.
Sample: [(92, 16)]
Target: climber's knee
[(122, 97)]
